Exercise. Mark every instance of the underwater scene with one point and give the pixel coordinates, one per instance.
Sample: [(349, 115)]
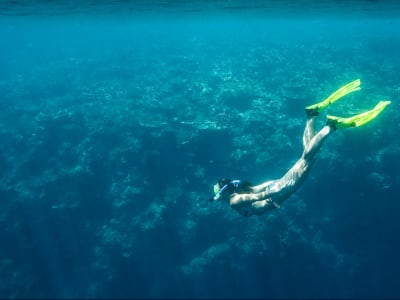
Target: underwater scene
[(118, 117)]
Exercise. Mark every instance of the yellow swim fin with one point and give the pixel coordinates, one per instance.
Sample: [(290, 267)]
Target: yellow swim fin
[(315, 109), (358, 120)]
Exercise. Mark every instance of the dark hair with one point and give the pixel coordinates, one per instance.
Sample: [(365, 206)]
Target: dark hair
[(244, 186), (223, 181)]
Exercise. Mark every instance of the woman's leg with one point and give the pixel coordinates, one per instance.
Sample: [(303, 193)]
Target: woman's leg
[(293, 178), (280, 189), (309, 131), (313, 146)]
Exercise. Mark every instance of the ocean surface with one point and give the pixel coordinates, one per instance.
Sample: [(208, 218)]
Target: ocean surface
[(117, 118)]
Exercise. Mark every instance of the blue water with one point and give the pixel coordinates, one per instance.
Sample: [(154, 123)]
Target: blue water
[(116, 119)]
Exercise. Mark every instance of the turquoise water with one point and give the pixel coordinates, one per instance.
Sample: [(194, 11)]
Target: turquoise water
[(116, 119)]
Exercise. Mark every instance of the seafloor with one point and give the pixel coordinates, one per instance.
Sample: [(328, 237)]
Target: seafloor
[(113, 134)]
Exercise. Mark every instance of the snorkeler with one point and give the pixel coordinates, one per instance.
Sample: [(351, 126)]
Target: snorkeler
[(255, 200)]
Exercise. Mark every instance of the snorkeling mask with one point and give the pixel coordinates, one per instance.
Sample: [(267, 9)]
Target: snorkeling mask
[(218, 190)]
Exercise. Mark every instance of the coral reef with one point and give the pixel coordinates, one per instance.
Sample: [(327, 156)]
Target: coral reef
[(107, 163)]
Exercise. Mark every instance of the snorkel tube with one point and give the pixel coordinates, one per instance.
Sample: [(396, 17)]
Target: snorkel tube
[(218, 191), (228, 185)]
